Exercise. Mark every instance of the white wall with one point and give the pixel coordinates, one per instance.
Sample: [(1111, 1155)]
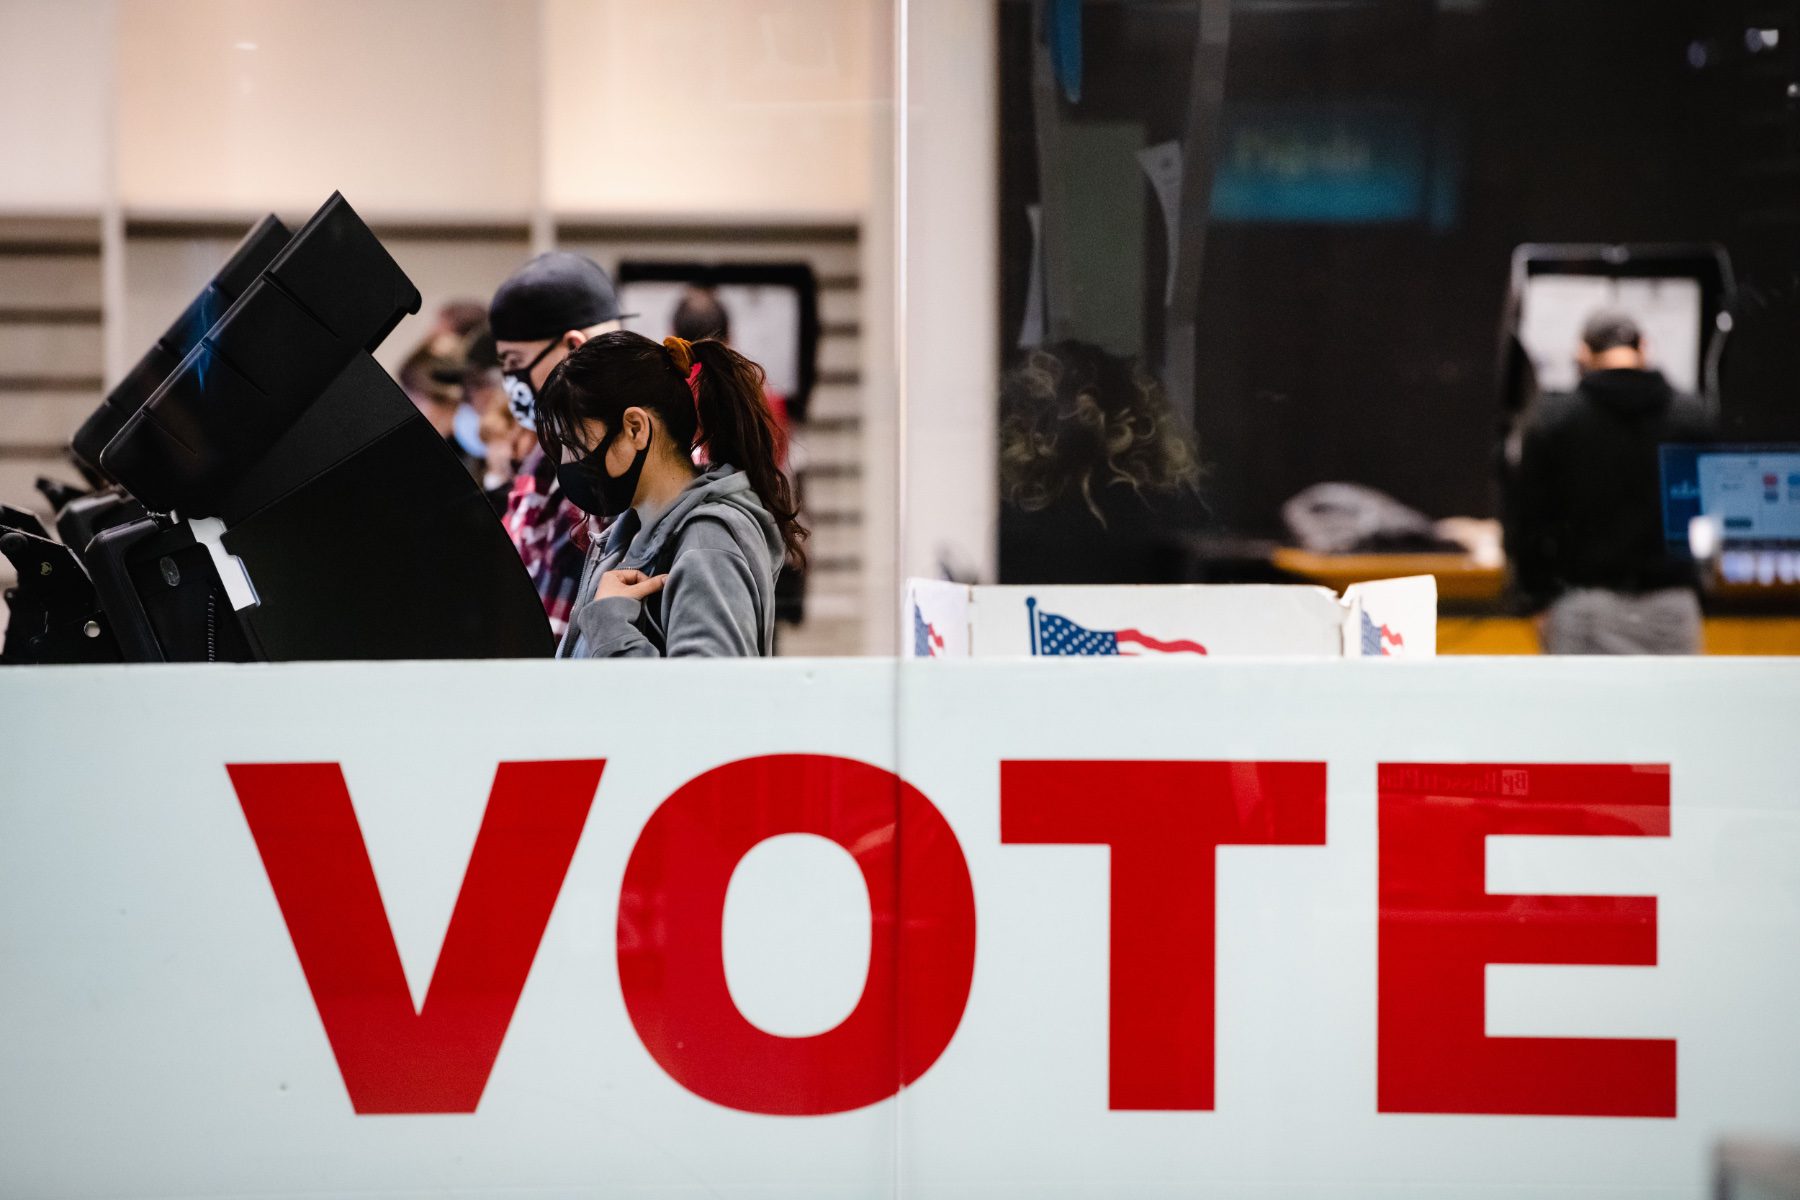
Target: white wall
[(708, 107), (735, 110), (408, 106), (931, 269), (55, 88), (676, 109), (950, 287), (881, 377)]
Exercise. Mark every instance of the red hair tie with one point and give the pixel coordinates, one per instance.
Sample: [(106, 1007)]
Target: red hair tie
[(693, 382)]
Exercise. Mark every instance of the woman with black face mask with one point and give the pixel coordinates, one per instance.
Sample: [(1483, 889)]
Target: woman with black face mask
[(688, 566)]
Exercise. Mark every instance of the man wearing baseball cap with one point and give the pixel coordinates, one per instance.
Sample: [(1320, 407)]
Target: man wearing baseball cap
[(549, 306)]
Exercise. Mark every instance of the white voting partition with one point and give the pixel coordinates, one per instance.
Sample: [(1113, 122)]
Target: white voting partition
[(1454, 928), (1390, 618)]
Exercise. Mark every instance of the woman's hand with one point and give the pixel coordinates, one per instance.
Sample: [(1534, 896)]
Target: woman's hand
[(633, 585)]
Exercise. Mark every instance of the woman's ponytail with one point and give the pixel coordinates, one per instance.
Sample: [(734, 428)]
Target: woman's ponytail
[(735, 426)]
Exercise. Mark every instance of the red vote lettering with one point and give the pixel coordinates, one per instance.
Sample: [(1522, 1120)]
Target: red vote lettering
[(1440, 928), (393, 1059), (921, 952), (1164, 822)]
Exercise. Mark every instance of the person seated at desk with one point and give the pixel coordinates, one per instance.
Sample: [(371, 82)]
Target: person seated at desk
[(1586, 535)]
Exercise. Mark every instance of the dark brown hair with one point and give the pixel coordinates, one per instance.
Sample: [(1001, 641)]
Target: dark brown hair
[(724, 413), (700, 315)]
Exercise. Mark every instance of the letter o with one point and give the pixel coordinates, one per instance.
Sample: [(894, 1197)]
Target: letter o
[(921, 945)]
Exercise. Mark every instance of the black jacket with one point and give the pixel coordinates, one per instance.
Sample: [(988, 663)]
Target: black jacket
[(1586, 505), (1135, 539)]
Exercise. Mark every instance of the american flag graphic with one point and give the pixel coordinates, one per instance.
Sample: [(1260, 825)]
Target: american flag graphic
[(1054, 635), (1378, 641), (927, 641)]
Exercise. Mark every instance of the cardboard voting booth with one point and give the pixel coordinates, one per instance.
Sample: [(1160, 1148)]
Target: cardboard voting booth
[(1392, 618)]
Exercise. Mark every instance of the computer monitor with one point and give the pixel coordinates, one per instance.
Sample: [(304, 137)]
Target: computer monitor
[(1676, 294), (296, 496), (332, 292), (1752, 492), (246, 264), (1666, 307), (774, 311), (1751, 497)]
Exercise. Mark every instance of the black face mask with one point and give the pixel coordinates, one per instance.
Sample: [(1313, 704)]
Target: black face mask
[(521, 397), (588, 486)]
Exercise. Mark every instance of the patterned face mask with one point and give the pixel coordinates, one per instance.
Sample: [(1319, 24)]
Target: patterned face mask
[(521, 397)]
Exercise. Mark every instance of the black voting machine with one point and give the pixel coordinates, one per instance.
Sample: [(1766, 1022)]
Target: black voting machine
[(267, 492)]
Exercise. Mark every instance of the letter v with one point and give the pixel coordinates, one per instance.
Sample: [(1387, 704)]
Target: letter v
[(394, 1059)]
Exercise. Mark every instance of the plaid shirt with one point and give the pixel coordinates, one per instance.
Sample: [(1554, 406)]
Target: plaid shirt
[(551, 536)]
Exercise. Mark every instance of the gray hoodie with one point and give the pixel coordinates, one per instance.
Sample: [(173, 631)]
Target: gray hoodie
[(721, 550)]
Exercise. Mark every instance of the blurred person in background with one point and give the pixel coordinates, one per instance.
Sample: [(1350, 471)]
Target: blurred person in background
[(700, 315), (1098, 479), (509, 445), (1586, 530), (433, 377), (463, 318), (505, 443), (691, 555), (548, 308), (422, 378)]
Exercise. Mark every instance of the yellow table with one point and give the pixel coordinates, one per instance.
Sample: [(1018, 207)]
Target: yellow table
[(1516, 635), (1459, 577), (1461, 580)]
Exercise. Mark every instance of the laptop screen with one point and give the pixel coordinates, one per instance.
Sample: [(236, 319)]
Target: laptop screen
[(1752, 491)]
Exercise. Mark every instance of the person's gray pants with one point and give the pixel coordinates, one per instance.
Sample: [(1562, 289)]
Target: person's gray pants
[(1592, 621)]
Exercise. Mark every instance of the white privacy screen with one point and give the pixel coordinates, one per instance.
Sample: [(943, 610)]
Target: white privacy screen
[(1668, 310)]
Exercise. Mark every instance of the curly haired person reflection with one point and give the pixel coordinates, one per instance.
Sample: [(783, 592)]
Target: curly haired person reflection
[(1097, 477)]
